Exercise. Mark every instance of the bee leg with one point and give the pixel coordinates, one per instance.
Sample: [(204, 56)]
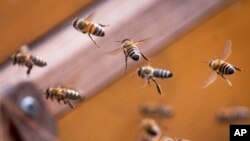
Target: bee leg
[(144, 57), (126, 61), (70, 104), (226, 80), (29, 65), (47, 96), (64, 101), (102, 25), (59, 101), (93, 40), (237, 68), (15, 61), (149, 83), (158, 87), (51, 97)]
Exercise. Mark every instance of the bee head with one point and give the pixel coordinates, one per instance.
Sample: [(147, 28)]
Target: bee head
[(47, 91), (12, 57), (74, 23), (151, 127), (139, 71), (152, 131), (214, 64), (125, 40)]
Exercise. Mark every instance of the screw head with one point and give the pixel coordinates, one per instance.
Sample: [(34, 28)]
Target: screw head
[(29, 105)]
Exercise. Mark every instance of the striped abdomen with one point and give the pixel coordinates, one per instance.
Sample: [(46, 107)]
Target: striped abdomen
[(38, 61), (226, 68), (161, 73), (72, 94), (134, 53), (96, 29)]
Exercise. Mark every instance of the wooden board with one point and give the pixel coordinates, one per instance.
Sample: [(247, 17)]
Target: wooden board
[(22, 22)]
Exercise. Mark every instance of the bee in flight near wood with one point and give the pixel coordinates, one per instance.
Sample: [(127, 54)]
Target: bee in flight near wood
[(149, 73), (221, 67), (231, 114), (131, 50), (86, 26), (156, 110), (25, 58), (64, 94)]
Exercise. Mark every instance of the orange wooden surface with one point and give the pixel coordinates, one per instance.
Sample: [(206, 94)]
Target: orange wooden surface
[(113, 114), (22, 22)]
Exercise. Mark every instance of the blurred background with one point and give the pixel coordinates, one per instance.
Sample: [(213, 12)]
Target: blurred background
[(183, 35)]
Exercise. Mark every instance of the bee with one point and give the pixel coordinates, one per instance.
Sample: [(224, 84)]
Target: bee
[(86, 26), (131, 50), (221, 67), (62, 93), (148, 73), (150, 130), (156, 110), (230, 114), (166, 138), (24, 58)]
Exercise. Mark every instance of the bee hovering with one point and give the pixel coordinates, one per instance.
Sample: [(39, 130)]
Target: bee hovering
[(86, 26), (232, 114), (24, 58), (156, 110), (221, 67), (131, 50), (150, 130), (62, 93), (148, 73)]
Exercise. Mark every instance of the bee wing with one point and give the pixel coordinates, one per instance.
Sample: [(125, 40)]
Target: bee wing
[(24, 48), (115, 51), (227, 50), (141, 41), (212, 77), (90, 17)]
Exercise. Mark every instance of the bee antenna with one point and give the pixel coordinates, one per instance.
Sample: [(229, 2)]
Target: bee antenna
[(118, 41), (204, 61)]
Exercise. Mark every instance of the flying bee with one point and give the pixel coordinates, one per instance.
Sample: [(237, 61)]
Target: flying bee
[(156, 110), (24, 58), (230, 114), (131, 50), (150, 130), (86, 26), (148, 73), (221, 67), (62, 93)]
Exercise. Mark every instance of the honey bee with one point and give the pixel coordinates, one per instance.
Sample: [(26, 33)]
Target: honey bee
[(165, 138), (131, 50), (231, 114), (148, 73), (86, 26), (62, 93), (24, 58), (156, 110), (150, 130), (221, 67)]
